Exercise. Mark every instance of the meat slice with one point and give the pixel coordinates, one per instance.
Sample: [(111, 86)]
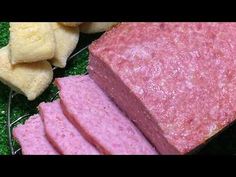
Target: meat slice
[(32, 139), (177, 81), (62, 133), (99, 119)]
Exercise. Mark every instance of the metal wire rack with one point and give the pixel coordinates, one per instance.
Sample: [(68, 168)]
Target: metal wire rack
[(10, 124)]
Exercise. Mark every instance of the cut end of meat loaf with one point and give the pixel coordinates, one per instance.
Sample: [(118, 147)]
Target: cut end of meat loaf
[(62, 132), (128, 101), (32, 138), (100, 120)]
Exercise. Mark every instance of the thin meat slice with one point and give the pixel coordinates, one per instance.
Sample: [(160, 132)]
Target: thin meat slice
[(99, 119), (32, 139), (177, 81), (62, 133)]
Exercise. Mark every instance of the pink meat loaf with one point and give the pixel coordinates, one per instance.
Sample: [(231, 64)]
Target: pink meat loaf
[(98, 118), (177, 81), (32, 139), (62, 133)]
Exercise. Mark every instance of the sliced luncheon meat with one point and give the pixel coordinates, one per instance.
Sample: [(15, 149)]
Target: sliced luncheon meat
[(62, 133), (99, 119), (32, 139), (177, 81)]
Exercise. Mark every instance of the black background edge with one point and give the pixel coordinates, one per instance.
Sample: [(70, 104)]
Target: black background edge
[(119, 165), (121, 10)]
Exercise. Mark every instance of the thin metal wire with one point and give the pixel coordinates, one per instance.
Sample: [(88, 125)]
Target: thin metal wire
[(78, 52), (9, 123), (19, 119), (18, 150), (54, 97), (12, 94), (72, 56)]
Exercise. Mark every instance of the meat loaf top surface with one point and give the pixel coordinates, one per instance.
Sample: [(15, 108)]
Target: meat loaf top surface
[(32, 139), (180, 78), (62, 133), (102, 123)]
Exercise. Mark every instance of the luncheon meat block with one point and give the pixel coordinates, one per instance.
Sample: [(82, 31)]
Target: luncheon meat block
[(32, 139), (62, 133), (176, 81), (98, 118)]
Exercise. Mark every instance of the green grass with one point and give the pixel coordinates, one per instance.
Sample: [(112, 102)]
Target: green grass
[(4, 33), (4, 38)]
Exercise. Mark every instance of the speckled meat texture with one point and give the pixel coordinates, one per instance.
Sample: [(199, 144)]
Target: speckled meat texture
[(32, 139), (177, 81), (98, 118), (62, 133)]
